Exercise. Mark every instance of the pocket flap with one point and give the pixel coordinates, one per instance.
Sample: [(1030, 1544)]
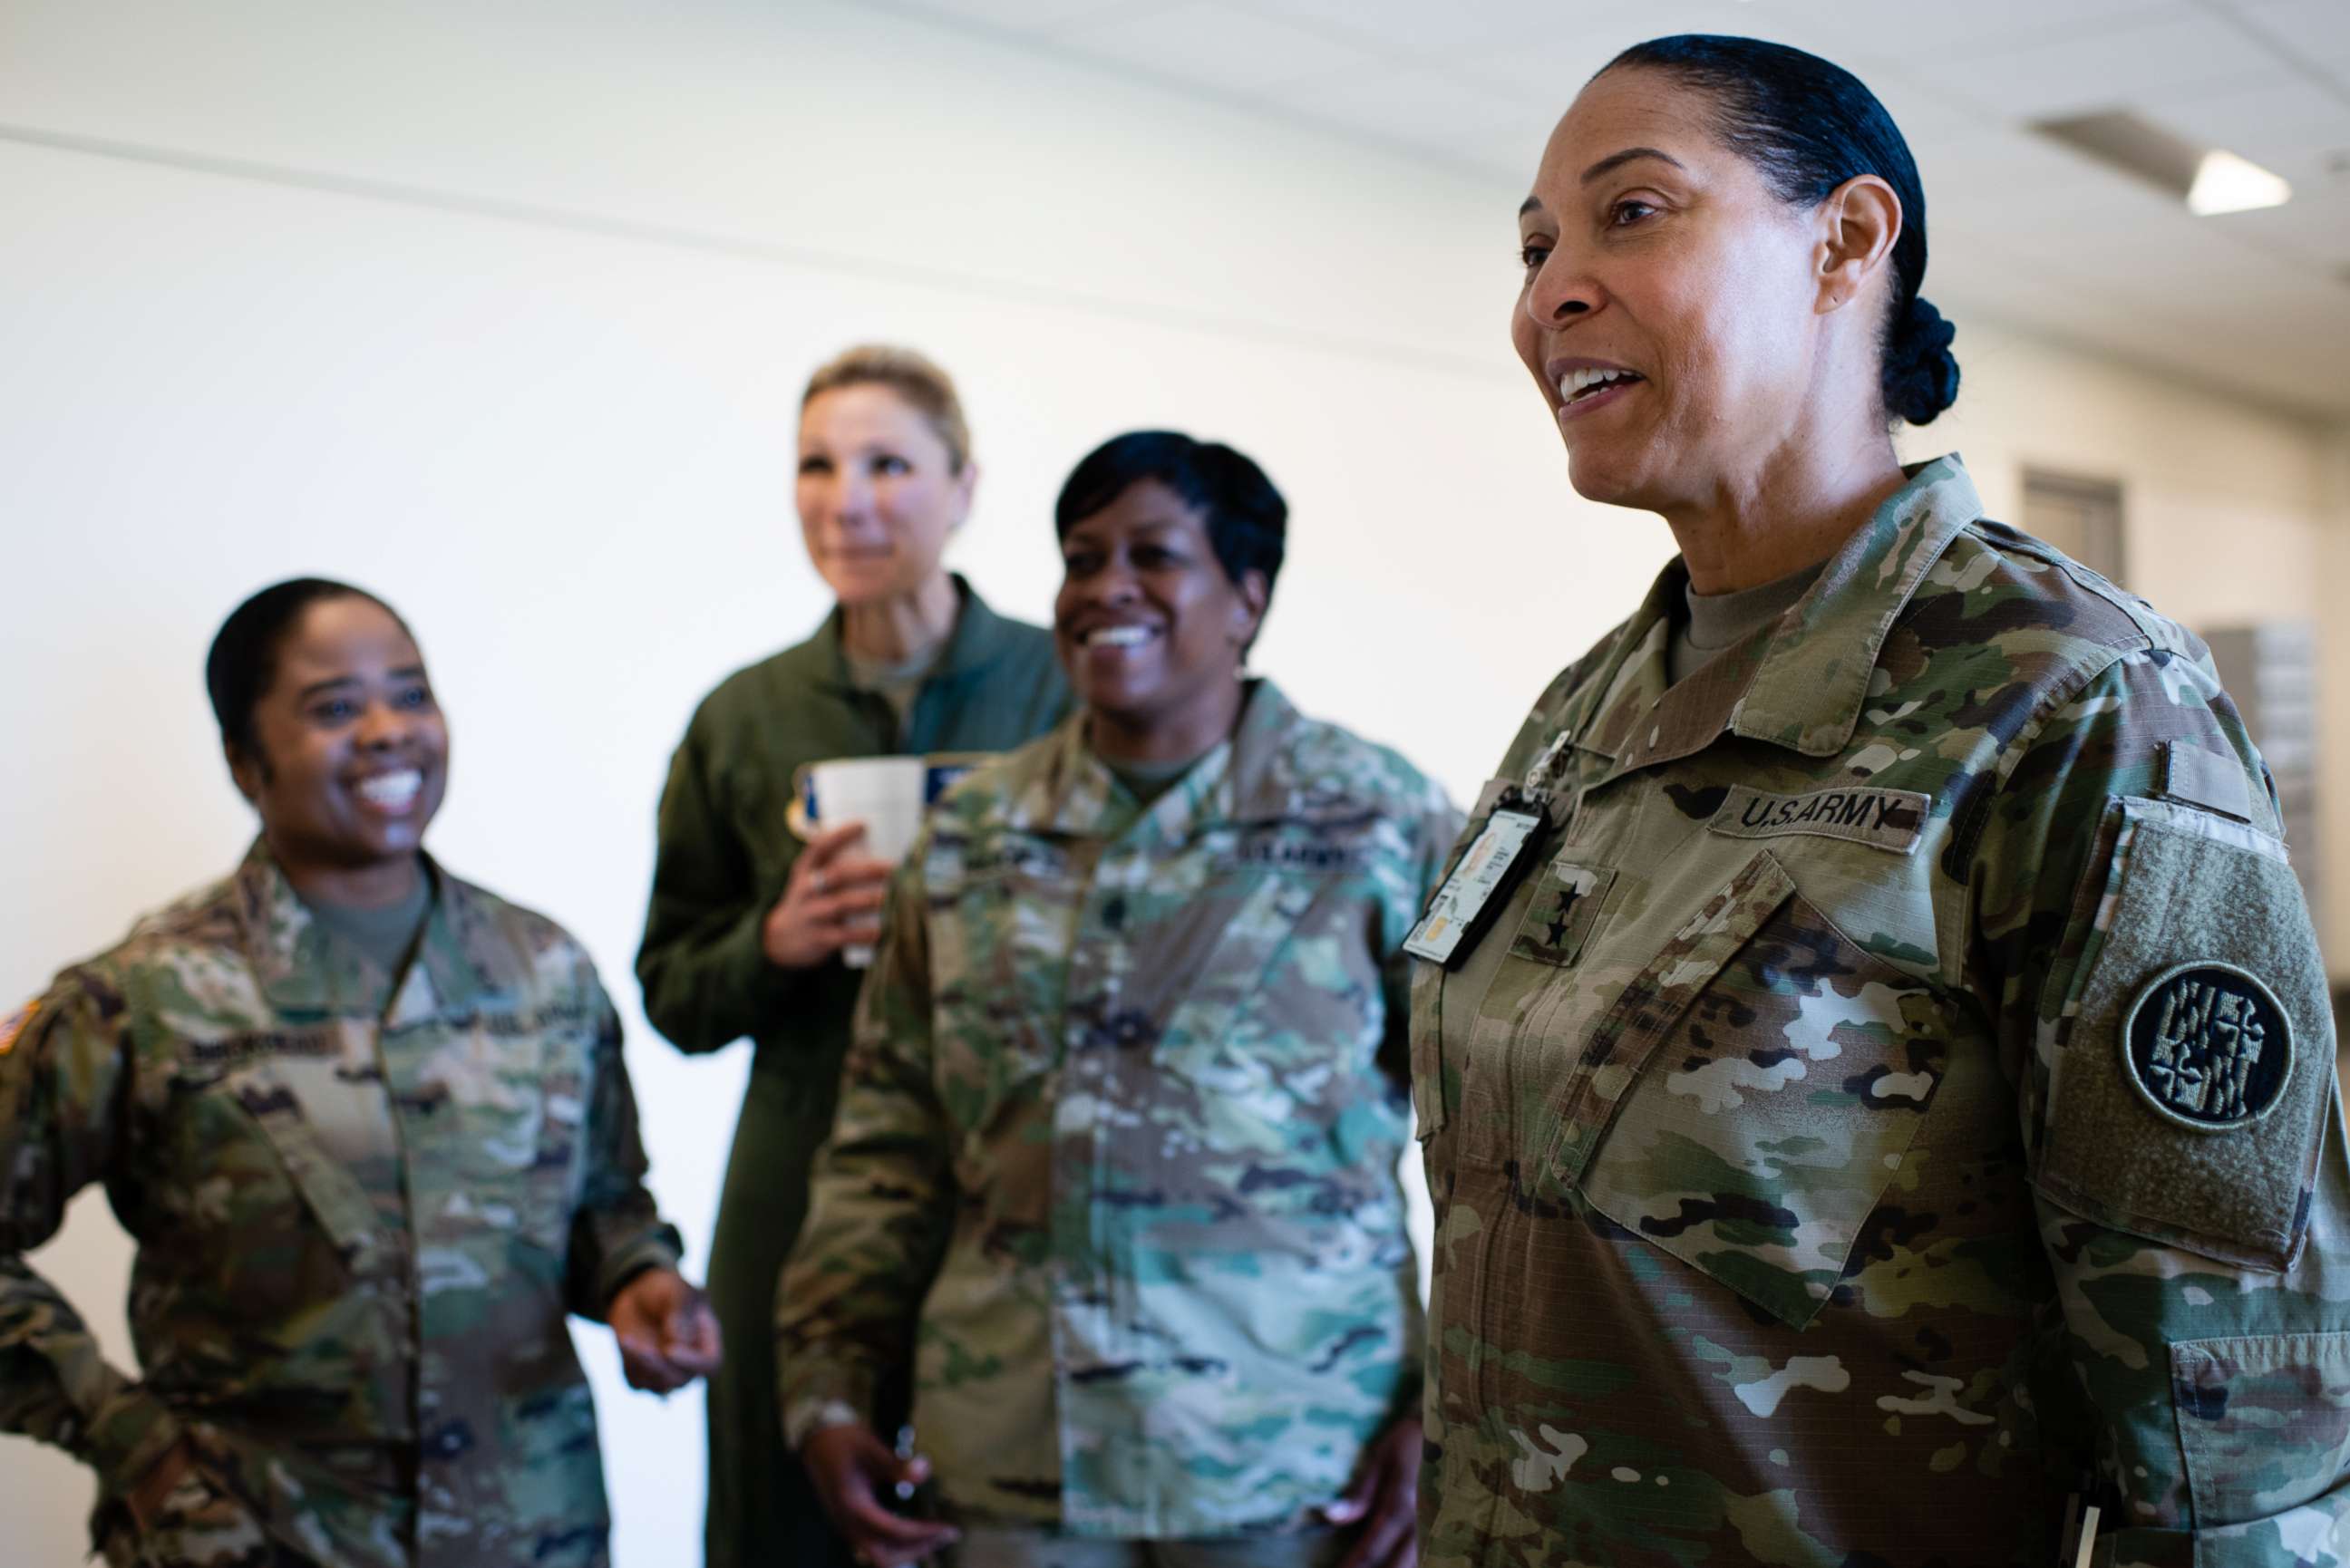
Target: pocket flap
[(1621, 1041), (333, 1195), (1784, 1080)]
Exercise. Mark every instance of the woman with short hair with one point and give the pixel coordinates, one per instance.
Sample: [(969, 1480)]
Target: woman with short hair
[(1875, 1066), (1116, 1167), (370, 1132), (749, 922)]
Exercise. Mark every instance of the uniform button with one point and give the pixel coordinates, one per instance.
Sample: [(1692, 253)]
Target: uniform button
[(448, 1441)]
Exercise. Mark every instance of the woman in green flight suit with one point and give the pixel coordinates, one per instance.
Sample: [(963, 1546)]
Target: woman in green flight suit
[(747, 923)]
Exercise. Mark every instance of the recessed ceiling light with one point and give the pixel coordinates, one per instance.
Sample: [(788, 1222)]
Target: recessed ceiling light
[(2227, 183), (2209, 180)]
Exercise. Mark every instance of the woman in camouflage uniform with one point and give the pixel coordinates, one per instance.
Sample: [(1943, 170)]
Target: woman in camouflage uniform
[(1115, 1169), (1884, 1112), (368, 1128)]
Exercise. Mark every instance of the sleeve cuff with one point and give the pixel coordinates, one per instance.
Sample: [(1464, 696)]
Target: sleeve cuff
[(656, 1249), (764, 986), (130, 1433), (809, 1416), (815, 1397)]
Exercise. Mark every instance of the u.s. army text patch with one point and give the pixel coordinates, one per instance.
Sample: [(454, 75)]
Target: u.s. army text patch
[(1881, 818), (2208, 1046)]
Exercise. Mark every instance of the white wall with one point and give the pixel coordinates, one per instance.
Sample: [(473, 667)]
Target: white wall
[(502, 310)]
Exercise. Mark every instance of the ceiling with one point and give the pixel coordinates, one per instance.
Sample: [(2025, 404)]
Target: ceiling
[(2022, 230)]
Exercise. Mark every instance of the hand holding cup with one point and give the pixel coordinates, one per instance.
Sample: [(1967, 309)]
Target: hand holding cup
[(832, 900)]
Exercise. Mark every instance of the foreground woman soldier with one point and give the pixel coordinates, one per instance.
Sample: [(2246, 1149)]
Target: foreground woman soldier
[(746, 925), (370, 1130), (1891, 1114), (1119, 1130)]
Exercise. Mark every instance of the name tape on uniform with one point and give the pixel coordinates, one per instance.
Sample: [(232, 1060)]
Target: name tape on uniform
[(1891, 819), (1465, 901)]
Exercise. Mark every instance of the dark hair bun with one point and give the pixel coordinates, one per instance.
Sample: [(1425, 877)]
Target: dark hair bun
[(1921, 374)]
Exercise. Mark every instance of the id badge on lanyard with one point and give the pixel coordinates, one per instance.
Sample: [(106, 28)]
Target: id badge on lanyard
[(1479, 885)]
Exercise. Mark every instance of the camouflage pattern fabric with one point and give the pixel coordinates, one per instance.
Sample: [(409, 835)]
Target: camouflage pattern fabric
[(1115, 1165), (1799, 1197), (361, 1213)]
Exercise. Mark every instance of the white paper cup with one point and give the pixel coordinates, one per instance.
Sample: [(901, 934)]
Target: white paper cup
[(885, 793)]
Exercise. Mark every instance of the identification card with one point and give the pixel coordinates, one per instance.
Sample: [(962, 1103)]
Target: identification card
[(1475, 893)]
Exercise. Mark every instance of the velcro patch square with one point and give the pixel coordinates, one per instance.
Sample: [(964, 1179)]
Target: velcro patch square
[(2190, 1086)]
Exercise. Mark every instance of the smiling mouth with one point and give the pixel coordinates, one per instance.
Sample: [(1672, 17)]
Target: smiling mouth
[(1117, 637), (392, 793), (1577, 385)]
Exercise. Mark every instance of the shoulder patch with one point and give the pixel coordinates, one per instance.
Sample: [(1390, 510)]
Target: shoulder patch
[(1881, 818), (2208, 1046), (15, 1024), (2189, 1046)]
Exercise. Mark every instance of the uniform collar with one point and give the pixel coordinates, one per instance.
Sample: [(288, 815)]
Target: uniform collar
[(1245, 777), (1804, 684), (976, 643), (304, 969)]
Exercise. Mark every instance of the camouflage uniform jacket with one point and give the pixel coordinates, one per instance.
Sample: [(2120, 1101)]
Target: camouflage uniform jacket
[(358, 1230), (1120, 1128), (1898, 1096)]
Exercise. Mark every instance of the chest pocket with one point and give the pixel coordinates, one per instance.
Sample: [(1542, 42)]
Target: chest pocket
[(491, 1118), (998, 937), (1752, 1092)]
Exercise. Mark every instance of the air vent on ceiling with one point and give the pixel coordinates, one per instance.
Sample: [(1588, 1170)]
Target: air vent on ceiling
[(2209, 180)]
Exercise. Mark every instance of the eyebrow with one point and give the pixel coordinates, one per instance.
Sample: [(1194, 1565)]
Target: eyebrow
[(1629, 155), (405, 672)]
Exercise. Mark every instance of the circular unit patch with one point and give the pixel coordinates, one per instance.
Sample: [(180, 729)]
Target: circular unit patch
[(2208, 1046)]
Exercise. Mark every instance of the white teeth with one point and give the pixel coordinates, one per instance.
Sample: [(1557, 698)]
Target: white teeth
[(1117, 637), (393, 789), (1574, 383)]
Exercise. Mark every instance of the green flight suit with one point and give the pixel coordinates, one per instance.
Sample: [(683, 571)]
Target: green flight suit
[(724, 854)]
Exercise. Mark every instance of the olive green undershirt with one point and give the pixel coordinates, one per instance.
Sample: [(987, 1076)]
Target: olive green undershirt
[(1148, 781), (895, 681), (342, 1114), (1706, 624), (385, 935)]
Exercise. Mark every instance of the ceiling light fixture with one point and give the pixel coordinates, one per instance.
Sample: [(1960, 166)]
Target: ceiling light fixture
[(2209, 180), (2227, 183)]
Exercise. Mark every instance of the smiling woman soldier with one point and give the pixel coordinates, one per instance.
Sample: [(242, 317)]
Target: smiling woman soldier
[(369, 1128), (1115, 1170), (1895, 1094)]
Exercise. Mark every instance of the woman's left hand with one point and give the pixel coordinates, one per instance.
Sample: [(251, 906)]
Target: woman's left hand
[(667, 1335), (1384, 1501)]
